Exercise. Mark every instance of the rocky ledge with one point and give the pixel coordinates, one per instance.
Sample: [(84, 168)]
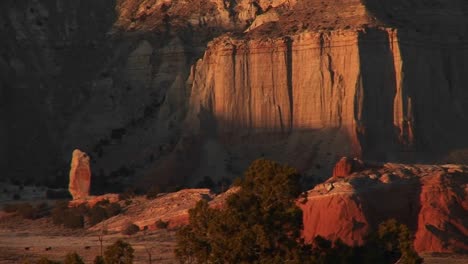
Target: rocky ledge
[(431, 199)]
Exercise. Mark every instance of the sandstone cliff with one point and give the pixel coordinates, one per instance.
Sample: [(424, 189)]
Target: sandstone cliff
[(431, 200), (144, 86)]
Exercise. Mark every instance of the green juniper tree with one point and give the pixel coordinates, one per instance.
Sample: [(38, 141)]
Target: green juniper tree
[(260, 223)]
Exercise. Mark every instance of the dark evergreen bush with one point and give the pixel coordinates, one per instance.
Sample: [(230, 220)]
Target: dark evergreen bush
[(130, 229), (119, 253)]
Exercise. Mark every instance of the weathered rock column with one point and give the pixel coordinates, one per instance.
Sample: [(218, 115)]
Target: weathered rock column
[(80, 175)]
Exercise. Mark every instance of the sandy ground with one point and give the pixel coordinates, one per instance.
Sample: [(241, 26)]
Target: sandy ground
[(17, 234)]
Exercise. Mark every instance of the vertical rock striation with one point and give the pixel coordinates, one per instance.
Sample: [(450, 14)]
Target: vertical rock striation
[(80, 175), (367, 83)]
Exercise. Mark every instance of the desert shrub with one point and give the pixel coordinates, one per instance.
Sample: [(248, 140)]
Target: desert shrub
[(113, 209), (10, 208), (43, 206), (153, 192), (58, 212), (160, 224), (73, 258), (45, 260), (260, 224), (68, 217), (325, 251), (223, 185), (130, 229), (103, 211), (97, 214), (127, 194), (73, 220), (99, 260), (392, 242), (27, 211), (119, 253), (82, 209)]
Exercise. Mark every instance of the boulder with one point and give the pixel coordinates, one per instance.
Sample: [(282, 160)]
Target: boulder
[(80, 175), (346, 166)]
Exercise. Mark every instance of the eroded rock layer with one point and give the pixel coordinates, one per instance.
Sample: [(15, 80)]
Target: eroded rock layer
[(431, 200)]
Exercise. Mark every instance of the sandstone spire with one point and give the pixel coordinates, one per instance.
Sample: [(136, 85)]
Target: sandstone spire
[(80, 175)]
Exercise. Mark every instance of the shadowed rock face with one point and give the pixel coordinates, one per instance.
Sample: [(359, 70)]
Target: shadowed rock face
[(430, 200), (80, 175), (144, 86)]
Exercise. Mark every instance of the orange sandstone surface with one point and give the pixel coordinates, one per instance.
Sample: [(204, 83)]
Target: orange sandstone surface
[(432, 200)]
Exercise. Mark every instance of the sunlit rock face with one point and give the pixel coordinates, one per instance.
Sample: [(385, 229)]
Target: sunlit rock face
[(429, 199), (80, 175), (363, 82), (144, 86)]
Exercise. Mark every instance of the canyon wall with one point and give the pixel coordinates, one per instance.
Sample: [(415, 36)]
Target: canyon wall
[(393, 94), (172, 91)]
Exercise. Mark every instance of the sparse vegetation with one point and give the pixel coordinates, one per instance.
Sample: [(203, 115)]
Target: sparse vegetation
[(395, 242), (160, 224), (73, 220), (10, 208), (45, 260), (153, 192), (26, 210), (119, 253), (97, 214), (68, 217), (260, 224), (99, 260), (102, 211), (127, 194), (130, 229), (73, 258), (74, 217)]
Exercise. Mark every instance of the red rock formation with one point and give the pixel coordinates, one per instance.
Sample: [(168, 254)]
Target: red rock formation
[(80, 175), (346, 166), (171, 207), (431, 200)]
